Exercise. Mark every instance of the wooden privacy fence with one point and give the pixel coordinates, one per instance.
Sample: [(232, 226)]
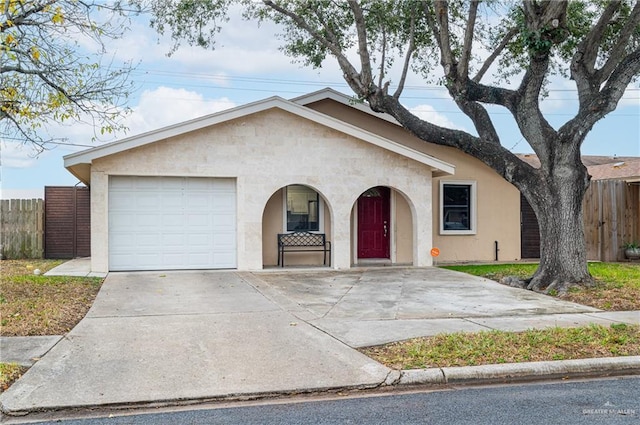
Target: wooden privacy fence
[(21, 228), (611, 218)]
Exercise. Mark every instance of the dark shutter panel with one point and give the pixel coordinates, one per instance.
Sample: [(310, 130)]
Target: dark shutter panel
[(529, 231)]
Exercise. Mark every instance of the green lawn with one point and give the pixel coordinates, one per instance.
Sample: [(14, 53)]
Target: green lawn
[(492, 347), (617, 284)]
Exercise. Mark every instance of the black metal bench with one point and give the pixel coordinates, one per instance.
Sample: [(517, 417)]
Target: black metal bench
[(303, 242)]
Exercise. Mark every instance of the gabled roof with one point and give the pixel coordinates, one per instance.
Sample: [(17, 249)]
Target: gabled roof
[(587, 160), (628, 170), (329, 93), (601, 167), (79, 164)]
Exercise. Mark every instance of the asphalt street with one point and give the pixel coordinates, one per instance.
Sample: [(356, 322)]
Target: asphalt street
[(601, 401)]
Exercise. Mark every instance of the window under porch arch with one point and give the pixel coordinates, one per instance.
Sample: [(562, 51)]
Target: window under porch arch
[(303, 209)]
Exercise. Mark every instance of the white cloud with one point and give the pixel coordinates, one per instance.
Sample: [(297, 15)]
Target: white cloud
[(156, 109), (17, 155), (165, 106), (22, 193), (429, 113)]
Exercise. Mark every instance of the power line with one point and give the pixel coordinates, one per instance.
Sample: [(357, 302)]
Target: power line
[(183, 74)]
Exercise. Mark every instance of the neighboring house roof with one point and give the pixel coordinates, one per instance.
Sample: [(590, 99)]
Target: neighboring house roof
[(79, 164), (601, 167), (628, 170)]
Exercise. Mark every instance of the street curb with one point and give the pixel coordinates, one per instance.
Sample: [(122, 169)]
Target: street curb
[(514, 372), (464, 375)]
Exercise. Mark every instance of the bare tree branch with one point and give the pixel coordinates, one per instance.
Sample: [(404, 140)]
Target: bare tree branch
[(351, 75), (617, 52), (383, 58), (407, 58), (495, 54), (463, 65), (363, 49), (442, 18), (604, 101)]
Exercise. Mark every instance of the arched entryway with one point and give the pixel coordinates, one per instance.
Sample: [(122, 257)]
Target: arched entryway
[(374, 224), (382, 228), (294, 208)]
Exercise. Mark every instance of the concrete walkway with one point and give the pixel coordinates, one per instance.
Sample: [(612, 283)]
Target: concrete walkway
[(76, 267), (166, 337)]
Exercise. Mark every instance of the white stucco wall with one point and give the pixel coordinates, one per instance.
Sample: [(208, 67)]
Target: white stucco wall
[(265, 152)]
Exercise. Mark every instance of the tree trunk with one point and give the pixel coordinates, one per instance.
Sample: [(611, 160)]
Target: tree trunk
[(558, 207)]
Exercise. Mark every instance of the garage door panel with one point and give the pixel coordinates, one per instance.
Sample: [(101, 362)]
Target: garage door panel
[(171, 223), (146, 220), (224, 221), (195, 220), (173, 220), (226, 199), (226, 259)]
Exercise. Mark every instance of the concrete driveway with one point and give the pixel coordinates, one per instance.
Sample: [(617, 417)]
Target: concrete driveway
[(163, 337), (365, 307)]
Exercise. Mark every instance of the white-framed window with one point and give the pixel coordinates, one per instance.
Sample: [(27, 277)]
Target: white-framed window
[(303, 209), (458, 212)]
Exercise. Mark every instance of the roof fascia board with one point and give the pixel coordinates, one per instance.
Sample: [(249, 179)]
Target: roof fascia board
[(344, 99), (132, 142)]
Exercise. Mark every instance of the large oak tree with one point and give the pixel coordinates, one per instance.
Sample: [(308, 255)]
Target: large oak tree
[(377, 43), (53, 66)]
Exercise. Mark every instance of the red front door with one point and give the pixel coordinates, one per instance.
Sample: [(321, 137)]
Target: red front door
[(373, 223)]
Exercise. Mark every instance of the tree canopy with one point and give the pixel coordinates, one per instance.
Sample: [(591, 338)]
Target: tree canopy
[(486, 53), (53, 69)]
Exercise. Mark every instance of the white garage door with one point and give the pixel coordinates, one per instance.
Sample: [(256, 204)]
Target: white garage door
[(161, 223)]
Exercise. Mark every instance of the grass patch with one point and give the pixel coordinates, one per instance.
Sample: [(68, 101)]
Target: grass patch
[(42, 305), (617, 284), (9, 373), (492, 347)]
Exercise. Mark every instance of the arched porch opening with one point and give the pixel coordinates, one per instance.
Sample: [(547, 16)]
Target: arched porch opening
[(382, 228), (295, 208)]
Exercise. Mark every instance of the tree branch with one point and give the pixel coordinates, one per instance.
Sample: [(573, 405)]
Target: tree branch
[(350, 73), (363, 50), (407, 59), (383, 57), (442, 18), (463, 66), (18, 20), (617, 52), (494, 155), (583, 61), (594, 108), (498, 50)]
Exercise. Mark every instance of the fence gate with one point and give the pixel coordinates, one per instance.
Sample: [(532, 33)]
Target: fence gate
[(611, 211), (67, 222)]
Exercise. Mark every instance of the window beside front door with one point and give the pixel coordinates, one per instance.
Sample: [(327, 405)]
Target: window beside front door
[(457, 207), (302, 209)]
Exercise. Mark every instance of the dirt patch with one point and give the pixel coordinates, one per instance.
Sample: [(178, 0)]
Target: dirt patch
[(34, 304)]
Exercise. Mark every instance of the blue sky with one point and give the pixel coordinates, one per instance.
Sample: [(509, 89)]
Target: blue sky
[(247, 66)]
